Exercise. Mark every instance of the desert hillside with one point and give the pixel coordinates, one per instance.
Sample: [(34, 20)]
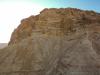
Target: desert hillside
[(2, 45), (63, 41)]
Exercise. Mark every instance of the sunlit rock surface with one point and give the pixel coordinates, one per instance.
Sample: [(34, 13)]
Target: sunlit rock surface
[(62, 41)]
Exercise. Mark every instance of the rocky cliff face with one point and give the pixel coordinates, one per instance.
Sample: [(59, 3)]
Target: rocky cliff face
[(55, 22), (56, 42)]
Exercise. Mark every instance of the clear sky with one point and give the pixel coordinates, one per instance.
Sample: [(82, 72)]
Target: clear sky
[(83, 4), (12, 11)]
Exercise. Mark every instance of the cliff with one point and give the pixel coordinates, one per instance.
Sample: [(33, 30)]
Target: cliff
[(54, 22), (62, 41)]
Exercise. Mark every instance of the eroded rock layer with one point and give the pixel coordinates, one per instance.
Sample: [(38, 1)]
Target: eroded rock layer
[(62, 41)]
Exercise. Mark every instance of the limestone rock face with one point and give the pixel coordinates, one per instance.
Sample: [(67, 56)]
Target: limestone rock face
[(62, 41), (54, 22)]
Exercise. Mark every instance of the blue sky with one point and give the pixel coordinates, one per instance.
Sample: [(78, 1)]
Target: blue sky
[(13, 11), (82, 4)]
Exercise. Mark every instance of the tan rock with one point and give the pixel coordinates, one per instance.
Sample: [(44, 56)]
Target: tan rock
[(56, 42)]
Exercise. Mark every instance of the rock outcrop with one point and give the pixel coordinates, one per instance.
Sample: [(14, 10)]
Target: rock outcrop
[(62, 41), (55, 21)]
